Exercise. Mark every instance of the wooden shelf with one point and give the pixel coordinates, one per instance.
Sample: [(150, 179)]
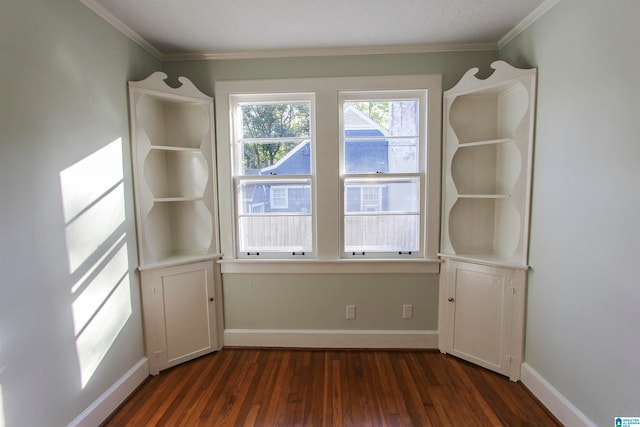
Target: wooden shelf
[(486, 142), (174, 259), (175, 148), (176, 199), (483, 196), (486, 259)]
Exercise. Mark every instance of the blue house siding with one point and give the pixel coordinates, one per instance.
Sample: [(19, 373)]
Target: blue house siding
[(361, 155), (365, 156), (297, 162)]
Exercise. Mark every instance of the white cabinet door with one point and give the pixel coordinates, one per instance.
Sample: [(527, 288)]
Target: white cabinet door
[(482, 314), (180, 313)]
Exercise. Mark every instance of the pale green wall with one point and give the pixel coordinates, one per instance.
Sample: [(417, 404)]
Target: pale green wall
[(63, 96), (451, 65), (318, 301), (583, 329)]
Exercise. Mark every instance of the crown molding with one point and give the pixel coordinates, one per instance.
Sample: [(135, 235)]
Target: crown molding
[(122, 27), (528, 20), (335, 51), (318, 52)]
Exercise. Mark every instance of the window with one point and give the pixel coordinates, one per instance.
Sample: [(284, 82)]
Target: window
[(332, 168), (382, 168), (279, 197), (272, 171), (370, 198)]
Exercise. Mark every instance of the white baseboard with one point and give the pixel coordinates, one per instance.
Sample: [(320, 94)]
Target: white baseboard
[(313, 338), (555, 402), (109, 401)]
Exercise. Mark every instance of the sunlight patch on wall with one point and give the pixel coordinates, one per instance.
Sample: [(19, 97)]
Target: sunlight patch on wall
[(93, 201), (96, 338), (86, 233), (94, 212), (98, 284)]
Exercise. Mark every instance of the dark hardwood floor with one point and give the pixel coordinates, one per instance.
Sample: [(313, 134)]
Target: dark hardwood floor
[(273, 387)]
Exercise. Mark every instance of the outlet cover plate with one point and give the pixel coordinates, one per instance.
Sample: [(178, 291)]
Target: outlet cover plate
[(351, 312)]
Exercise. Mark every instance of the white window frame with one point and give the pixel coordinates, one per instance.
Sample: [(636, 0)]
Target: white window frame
[(419, 174), (327, 184)]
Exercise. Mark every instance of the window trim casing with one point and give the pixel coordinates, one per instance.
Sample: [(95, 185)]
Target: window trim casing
[(326, 92)]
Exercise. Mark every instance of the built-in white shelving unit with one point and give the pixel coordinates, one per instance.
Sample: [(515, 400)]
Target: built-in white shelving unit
[(172, 133), (488, 140), (173, 161), (487, 157)]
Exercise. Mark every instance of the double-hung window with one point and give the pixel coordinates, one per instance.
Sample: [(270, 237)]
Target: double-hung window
[(272, 151), (330, 170), (382, 163)]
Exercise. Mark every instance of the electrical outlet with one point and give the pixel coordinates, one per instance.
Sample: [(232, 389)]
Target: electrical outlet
[(351, 312), (407, 311)]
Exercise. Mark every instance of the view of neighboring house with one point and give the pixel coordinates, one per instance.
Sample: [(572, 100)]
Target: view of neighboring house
[(361, 156), (380, 181)]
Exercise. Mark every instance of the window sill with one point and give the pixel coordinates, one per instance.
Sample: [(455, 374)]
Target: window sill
[(324, 266)]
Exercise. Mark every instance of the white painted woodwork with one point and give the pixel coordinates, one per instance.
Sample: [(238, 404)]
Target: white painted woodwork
[(482, 315), (488, 142), (487, 158), (109, 401), (179, 308), (172, 142), (561, 407), (172, 136), (333, 338)]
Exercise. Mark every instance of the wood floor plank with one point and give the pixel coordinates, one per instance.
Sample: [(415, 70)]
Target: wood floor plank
[(327, 407), (210, 386), (190, 393), (314, 399), (305, 387), (482, 411), (414, 398)]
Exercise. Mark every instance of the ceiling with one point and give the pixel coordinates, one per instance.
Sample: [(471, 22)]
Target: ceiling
[(210, 28)]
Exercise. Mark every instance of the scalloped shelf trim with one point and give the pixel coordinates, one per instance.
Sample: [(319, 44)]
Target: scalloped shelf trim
[(156, 82), (502, 72)]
